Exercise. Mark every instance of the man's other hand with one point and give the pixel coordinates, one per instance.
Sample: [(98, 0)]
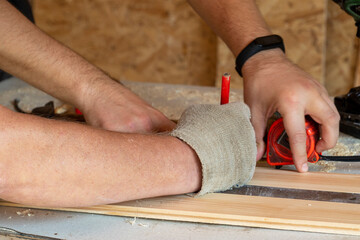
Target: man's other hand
[(272, 83), (110, 105)]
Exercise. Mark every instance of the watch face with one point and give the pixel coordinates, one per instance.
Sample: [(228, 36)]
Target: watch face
[(268, 40)]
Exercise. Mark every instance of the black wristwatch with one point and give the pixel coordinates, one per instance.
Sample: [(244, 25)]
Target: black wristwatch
[(259, 44)]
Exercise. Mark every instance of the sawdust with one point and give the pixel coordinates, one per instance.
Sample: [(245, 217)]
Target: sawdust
[(325, 166), (344, 150), (65, 108), (27, 212), (172, 100), (143, 225), (132, 222)]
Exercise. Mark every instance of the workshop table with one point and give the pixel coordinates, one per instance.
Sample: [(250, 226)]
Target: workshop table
[(172, 100)]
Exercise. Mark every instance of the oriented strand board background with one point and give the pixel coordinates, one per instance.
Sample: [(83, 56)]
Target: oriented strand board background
[(165, 41), (342, 46), (152, 41)]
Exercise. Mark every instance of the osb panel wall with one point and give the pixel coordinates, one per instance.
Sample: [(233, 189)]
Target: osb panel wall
[(165, 41), (302, 26), (341, 57), (153, 41)]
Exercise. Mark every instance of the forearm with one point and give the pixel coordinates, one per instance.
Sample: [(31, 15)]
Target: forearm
[(236, 22), (47, 162), (28, 53)]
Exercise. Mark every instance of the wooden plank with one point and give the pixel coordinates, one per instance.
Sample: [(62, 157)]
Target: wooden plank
[(217, 208), (332, 182)]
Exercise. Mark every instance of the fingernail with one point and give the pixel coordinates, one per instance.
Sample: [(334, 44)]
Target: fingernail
[(304, 167)]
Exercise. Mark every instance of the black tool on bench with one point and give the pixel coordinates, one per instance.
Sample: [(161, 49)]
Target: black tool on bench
[(48, 111), (348, 106)]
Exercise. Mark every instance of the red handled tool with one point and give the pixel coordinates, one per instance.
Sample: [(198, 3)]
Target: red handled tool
[(77, 111), (278, 145), (278, 150), (225, 88)]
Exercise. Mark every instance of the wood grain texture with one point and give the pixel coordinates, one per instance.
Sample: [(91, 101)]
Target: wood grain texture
[(266, 212), (341, 51), (320, 181), (253, 211), (148, 41)]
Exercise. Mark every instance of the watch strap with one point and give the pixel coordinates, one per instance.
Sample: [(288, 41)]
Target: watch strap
[(257, 45)]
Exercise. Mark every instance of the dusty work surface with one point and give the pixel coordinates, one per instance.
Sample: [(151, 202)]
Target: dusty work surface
[(172, 100)]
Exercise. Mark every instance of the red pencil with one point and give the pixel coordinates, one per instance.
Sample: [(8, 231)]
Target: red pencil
[(225, 88)]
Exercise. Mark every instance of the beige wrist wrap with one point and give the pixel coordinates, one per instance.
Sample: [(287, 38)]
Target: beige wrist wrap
[(224, 140)]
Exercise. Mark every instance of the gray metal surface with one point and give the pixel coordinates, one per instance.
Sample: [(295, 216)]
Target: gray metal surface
[(289, 193), (13, 234), (71, 226)]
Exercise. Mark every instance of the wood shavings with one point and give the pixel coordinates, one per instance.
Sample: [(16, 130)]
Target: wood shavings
[(343, 150), (325, 166), (27, 212), (65, 108), (132, 222), (143, 225)]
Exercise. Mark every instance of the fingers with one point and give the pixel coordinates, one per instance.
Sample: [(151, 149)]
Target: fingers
[(328, 118), (166, 126), (258, 121), (323, 112), (294, 123)]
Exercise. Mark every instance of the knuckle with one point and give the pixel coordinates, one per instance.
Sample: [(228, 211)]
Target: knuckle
[(290, 98), (136, 123), (145, 122), (310, 85), (139, 123), (328, 144), (333, 117)]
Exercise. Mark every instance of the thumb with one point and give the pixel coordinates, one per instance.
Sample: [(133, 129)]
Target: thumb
[(259, 123)]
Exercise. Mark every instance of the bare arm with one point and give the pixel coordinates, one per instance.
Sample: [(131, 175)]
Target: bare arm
[(53, 163), (28, 53), (271, 82)]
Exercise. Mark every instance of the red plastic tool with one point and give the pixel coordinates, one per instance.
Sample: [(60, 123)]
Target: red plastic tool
[(278, 146), (77, 111), (225, 88)]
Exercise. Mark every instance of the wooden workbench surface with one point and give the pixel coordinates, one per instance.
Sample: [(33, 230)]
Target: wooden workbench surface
[(172, 100)]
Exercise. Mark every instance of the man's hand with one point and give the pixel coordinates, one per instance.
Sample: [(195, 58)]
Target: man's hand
[(109, 105), (272, 83), (28, 53)]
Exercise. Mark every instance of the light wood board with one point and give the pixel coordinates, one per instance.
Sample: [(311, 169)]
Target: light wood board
[(319, 181), (251, 211)]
